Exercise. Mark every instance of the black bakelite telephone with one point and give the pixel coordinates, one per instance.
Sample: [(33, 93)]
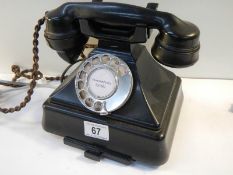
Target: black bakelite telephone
[(119, 103)]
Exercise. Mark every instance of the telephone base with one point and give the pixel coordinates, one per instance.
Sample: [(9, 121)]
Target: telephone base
[(141, 130), (154, 151)]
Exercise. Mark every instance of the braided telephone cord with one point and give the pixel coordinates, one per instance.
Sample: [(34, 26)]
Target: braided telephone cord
[(35, 73)]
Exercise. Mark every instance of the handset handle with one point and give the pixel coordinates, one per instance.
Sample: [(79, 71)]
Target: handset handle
[(118, 14)]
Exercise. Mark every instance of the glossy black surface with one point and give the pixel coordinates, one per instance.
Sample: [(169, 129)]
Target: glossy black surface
[(68, 27), (143, 128)]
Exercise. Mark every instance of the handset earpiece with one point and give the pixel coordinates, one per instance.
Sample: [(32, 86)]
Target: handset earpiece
[(63, 35), (177, 44)]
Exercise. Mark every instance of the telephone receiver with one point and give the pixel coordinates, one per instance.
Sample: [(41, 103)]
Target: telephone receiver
[(119, 103), (69, 26)]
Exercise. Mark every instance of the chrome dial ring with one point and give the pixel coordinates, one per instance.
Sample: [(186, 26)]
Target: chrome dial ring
[(103, 83)]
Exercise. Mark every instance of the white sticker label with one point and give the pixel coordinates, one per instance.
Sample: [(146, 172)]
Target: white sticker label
[(96, 130), (102, 83)]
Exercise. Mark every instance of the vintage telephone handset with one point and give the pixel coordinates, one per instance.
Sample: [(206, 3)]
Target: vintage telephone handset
[(69, 26), (119, 103)]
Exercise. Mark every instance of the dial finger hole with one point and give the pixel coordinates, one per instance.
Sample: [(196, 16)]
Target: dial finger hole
[(98, 106), (115, 63), (105, 59), (80, 84), (122, 70), (82, 75), (96, 60), (87, 66), (83, 94), (89, 102)]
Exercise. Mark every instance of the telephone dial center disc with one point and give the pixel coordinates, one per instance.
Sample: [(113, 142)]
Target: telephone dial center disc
[(103, 83)]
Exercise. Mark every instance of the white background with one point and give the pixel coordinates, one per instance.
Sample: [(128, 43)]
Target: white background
[(214, 18)]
